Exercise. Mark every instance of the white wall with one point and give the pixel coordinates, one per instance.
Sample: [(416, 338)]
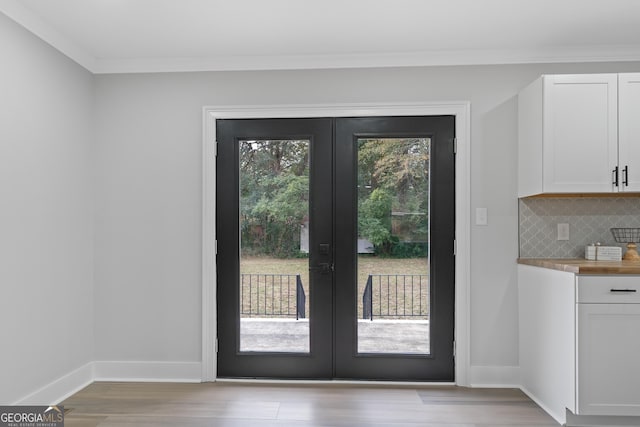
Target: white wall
[(149, 194), (139, 136), (46, 217)]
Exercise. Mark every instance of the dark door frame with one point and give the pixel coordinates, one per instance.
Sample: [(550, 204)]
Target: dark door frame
[(439, 364), (317, 363), (461, 111)]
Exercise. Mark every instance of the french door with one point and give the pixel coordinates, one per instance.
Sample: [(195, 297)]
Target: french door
[(335, 248)]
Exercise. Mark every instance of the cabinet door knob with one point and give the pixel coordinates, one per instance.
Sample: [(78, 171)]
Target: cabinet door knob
[(615, 176), (624, 290), (625, 176)]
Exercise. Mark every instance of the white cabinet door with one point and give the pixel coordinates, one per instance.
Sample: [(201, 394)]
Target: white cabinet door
[(580, 141), (629, 131), (608, 359), (547, 327)]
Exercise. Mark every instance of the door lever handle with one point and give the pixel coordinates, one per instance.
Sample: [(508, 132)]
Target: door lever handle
[(323, 268)]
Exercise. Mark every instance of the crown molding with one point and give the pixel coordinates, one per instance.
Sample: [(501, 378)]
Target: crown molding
[(382, 60)]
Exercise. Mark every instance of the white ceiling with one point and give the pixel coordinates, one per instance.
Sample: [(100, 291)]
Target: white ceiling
[(111, 36)]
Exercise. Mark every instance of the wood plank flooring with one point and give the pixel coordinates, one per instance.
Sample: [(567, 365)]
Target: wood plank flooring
[(222, 404)]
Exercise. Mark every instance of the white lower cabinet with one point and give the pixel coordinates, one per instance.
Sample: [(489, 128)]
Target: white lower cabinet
[(580, 345), (608, 345)]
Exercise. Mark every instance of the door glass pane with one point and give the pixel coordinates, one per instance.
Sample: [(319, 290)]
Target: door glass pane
[(274, 242), (393, 245)]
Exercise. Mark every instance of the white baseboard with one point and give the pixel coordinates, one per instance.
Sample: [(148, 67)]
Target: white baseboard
[(191, 372), (494, 376), (184, 372), (65, 386), (61, 388)]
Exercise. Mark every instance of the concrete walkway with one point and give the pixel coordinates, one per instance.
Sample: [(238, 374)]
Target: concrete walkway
[(377, 336)]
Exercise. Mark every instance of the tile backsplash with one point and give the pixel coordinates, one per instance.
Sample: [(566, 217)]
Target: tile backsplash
[(589, 219)]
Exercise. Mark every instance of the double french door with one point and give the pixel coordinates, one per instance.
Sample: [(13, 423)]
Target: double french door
[(335, 248)]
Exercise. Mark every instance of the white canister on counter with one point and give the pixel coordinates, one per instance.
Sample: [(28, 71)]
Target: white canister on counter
[(609, 253), (591, 251)]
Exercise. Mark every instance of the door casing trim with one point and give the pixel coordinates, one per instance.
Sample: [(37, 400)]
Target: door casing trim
[(462, 112)]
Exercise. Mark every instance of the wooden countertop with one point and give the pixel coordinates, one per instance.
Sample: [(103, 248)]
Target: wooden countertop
[(582, 266)]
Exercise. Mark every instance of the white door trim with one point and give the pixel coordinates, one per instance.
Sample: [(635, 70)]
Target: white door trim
[(461, 110)]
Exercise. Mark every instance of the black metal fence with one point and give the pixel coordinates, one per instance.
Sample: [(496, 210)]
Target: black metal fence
[(272, 295), (395, 296)]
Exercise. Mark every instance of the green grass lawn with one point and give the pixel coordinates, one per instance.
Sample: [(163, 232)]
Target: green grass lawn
[(383, 296)]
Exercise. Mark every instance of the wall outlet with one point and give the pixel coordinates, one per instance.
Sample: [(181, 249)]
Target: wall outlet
[(563, 231)]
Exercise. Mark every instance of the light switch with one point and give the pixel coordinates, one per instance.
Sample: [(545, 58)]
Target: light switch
[(481, 216)]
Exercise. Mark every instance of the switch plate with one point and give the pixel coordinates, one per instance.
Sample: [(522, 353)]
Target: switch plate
[(481, 216), (563, 231)]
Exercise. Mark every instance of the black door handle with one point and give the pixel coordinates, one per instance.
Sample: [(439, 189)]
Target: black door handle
[(323, 268)]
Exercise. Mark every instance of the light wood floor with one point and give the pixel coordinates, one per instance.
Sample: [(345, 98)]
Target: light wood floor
[(335, 405)]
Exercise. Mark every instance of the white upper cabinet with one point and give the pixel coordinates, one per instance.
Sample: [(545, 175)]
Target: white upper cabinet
[(568, 135), (629, 131), (580, 133)]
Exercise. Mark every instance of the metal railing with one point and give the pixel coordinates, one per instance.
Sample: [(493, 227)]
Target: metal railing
[(272, 295), (395, 296)]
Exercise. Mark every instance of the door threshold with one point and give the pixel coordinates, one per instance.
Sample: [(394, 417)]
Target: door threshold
[(277, 381)]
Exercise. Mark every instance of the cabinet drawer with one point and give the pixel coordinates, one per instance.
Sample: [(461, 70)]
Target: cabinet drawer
[(608, 289)]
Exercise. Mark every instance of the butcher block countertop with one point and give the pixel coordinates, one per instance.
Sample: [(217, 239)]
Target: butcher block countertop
[(582, 266)]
